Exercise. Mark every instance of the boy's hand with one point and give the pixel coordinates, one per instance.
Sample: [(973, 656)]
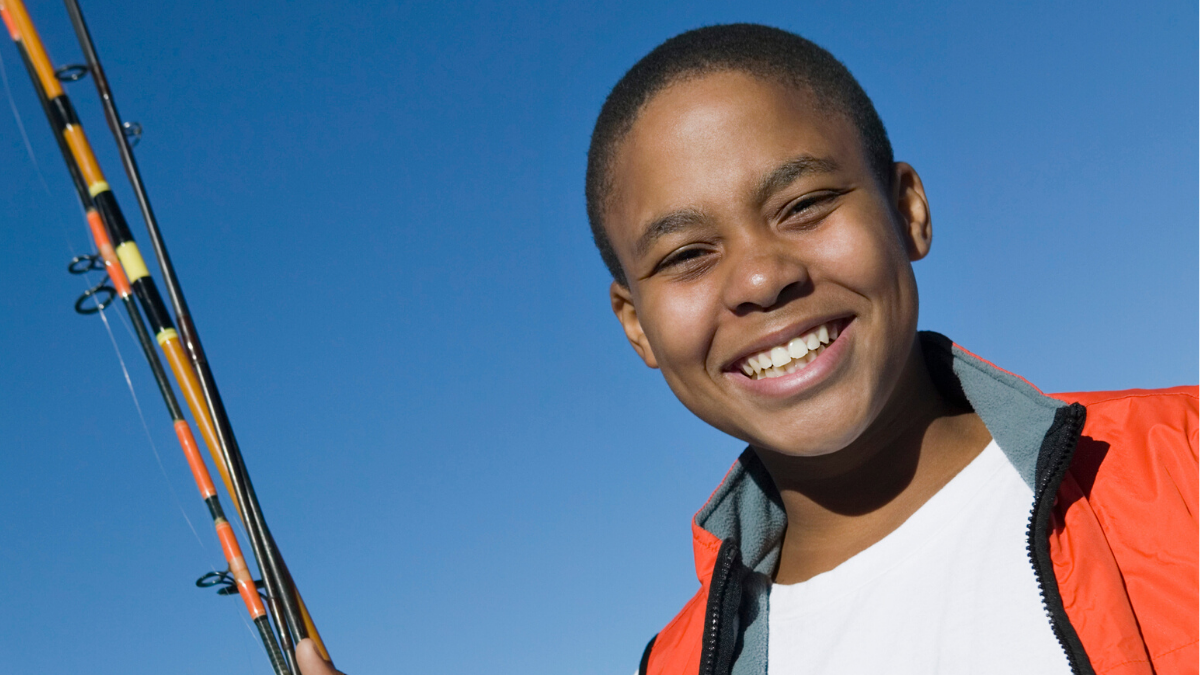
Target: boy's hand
[(310, 660)]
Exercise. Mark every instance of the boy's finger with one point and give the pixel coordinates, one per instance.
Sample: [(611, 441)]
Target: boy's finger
[(310, 660)]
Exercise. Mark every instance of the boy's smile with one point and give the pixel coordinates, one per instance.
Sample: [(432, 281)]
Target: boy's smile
[(769, 269)]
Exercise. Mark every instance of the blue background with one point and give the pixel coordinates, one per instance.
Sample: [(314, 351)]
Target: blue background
[(376, 211)]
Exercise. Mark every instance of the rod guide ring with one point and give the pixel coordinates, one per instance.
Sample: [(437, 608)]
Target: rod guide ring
[(225, 580), (72, 73), (101, 296), (132, 131), (82, 264)]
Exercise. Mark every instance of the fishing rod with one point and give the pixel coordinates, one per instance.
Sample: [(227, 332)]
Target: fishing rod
[(106, 260), (65, 124), (299, 621)]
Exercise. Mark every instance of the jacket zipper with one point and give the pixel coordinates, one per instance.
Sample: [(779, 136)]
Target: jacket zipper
[(716, 591), (1064, 440)]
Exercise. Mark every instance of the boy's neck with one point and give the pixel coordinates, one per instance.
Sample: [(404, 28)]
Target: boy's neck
[(840, 504)]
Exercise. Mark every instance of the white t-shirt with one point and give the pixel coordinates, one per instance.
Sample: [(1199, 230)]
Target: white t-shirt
[(951, 590)]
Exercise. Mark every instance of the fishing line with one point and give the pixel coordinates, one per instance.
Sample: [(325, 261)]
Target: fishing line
[(37, 168), (12, 104), (145, 427), (149, 437), (153, 446)]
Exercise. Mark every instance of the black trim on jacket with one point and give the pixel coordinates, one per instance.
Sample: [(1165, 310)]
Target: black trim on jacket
[(645, 663), (721, 613), (1053, 460)]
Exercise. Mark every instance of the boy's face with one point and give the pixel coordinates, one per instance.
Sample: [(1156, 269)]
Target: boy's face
[(745, 218)]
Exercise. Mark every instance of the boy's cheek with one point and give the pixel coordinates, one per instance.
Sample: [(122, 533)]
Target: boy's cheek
[(680, 325), (859, 253)]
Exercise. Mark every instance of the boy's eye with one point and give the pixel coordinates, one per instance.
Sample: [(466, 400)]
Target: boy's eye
[(682, 258), (811, 205)]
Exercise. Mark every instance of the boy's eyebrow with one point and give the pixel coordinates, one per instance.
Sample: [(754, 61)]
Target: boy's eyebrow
[(788, 172), (670, 223)]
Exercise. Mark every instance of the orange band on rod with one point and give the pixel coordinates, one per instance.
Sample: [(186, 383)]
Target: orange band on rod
[(249, 594), (111, 264), (33, 47), (237, 568), (195, 462), (82, 151), (8, 23), (190, 386), (229, 545)]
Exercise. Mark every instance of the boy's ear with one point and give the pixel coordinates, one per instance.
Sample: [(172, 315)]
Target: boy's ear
[(622, 306), (916, 226)]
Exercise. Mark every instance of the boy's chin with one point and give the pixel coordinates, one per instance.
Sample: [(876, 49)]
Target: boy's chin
[(798, 451), (802, 445)]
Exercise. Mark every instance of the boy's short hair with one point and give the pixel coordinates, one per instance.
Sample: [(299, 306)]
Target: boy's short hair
[(757, 50)]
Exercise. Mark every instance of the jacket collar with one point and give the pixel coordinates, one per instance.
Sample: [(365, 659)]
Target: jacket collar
[(746, 507)]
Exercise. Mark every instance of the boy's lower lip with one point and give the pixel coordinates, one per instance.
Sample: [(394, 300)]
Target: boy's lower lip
[(811, 375)]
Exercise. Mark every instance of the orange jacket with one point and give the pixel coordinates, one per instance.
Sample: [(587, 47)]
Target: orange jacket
[(1112, 535)]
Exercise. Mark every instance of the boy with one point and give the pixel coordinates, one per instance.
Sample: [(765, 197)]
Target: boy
[(904, 506)]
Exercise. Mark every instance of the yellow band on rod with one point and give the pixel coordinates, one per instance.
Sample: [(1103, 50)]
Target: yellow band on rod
[(166, 334), (131, 260)]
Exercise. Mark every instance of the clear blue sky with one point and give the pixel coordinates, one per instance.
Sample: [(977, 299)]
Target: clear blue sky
[(377, 214)]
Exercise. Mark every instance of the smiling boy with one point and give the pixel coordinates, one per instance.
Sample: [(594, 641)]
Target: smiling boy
[(903, 505)]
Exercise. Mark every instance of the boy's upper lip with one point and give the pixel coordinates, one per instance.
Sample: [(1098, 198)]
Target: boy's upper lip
[(780, 336)]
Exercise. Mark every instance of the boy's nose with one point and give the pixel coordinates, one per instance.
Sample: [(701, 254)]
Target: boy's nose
[(761, 279)]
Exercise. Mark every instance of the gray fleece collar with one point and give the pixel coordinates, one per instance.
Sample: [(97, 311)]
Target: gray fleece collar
[(747, 509)]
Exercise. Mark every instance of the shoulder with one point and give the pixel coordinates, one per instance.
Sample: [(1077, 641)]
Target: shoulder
[(1140, 401), (1136, 460), (1145, 421)]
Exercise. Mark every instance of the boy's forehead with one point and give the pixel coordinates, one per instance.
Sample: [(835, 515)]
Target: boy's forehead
[(718, 137)]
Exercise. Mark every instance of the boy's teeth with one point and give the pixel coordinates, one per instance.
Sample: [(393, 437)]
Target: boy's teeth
[(780, 357), (797, 348), (795, 355)]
